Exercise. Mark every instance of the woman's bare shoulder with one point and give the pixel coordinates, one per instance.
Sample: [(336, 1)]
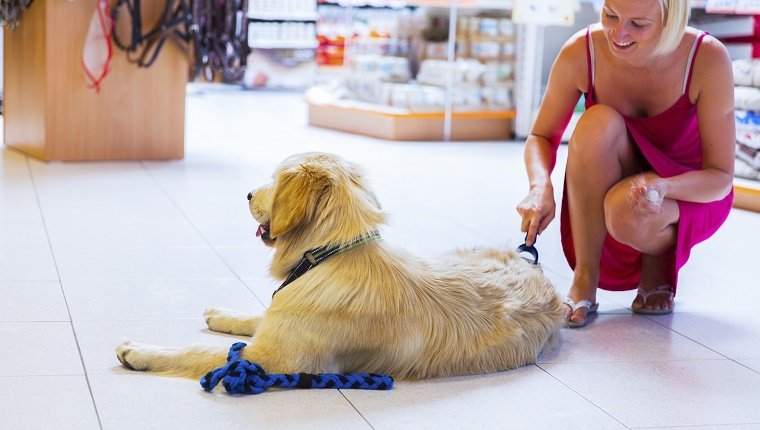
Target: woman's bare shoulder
[(713, 49), (712, 58), (572, 55), (575, 44), (712, 67)]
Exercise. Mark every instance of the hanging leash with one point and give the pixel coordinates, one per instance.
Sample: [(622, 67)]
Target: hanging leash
[(213, 33), (220, 39), (10, 12), (97, 53), (315, 256), (173, 24), (240, 376)]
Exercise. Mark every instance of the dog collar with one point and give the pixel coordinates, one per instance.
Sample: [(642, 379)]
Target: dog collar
[(315, 256)]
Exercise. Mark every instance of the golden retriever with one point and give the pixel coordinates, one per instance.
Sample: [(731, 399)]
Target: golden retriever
[(373, 307)]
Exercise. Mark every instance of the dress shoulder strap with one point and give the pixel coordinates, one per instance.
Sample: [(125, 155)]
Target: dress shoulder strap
[(691, 60), (590, 61)]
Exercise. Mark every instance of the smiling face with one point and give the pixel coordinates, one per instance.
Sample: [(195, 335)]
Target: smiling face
[(632, 28)]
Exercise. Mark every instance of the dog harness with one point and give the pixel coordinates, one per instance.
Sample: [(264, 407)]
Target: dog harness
[(315, 256), (240, 376)]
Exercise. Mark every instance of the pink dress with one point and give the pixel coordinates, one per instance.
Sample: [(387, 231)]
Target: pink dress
[(669, 144)]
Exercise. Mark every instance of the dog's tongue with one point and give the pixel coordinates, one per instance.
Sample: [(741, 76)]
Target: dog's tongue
[(260, 230)]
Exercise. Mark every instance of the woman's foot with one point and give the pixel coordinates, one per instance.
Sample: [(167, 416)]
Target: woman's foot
[(581, 299), (655, 295), (573, 317), (657, 301)]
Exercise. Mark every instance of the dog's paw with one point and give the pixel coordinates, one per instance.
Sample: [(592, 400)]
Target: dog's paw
[(221, 319), (228, 321), (129, 357)]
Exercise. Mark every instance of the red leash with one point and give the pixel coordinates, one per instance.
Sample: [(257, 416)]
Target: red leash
[(96, 55)]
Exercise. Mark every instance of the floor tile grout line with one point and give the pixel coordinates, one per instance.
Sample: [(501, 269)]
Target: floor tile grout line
[(745, 366), (613, 417), (63, 292), (197, 230), (581, 396), (356, 409), (703, 345)]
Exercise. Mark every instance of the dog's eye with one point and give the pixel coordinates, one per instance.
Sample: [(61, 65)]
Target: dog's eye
[(250, 196)]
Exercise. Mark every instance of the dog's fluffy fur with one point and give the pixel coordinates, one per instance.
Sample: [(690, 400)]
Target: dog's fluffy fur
[(374, 308)]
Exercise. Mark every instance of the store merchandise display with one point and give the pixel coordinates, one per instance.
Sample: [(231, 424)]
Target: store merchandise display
[(387, 64), (491, 41), (282, 37), (747, 114), (346, 31), (395, 63)]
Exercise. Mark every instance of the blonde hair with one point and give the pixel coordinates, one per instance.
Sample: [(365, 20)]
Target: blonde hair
[(675, 16)]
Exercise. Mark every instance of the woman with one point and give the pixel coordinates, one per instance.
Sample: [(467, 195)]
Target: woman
[(650, 163)]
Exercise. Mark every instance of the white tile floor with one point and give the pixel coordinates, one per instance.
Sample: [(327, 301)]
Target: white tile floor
[(91, 253)]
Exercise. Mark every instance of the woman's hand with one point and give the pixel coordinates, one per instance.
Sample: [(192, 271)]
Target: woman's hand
[(537, 211), (647, 194)]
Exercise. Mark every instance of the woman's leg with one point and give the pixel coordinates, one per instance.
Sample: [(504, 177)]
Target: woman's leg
[(599, 155), (650, 234)]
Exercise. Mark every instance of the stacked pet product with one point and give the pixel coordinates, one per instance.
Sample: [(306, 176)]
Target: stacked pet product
[(747, 113)]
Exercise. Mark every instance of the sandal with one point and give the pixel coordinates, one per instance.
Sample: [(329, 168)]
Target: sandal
[(662, 289), (575, 306)]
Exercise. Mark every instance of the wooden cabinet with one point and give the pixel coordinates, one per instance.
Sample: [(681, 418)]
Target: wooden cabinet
[(49, 112)]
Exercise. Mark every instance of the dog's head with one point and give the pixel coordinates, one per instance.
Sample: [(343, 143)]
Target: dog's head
[(318, 195)]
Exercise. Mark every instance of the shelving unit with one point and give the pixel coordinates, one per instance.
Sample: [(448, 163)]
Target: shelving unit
[(282, 38), (436, 103), (747, 194), (404, 124)]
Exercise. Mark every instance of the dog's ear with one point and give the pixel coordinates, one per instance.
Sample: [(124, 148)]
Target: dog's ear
[(297, 189)]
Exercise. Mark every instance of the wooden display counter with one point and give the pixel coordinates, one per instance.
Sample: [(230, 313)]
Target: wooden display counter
[(51, 114), (400, 124), (747, 194)]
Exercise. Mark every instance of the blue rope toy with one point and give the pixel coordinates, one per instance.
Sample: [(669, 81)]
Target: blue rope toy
[(240, 376)]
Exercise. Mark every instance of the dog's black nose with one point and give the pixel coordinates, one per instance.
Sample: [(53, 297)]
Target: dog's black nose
[(250, 195)]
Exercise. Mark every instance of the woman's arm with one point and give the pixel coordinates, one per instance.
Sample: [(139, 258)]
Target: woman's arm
[(713, 77), (566, 82)]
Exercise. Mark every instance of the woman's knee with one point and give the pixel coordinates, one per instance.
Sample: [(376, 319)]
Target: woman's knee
[(600, 125), (621, 221)]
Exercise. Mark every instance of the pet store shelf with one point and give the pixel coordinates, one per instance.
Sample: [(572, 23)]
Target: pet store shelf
[(397, 4), (466, 4), (747, 194), (386, 122), (283, 16), (283, 44)]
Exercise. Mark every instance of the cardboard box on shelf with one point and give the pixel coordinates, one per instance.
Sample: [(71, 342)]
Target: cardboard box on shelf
[(416, 126)]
